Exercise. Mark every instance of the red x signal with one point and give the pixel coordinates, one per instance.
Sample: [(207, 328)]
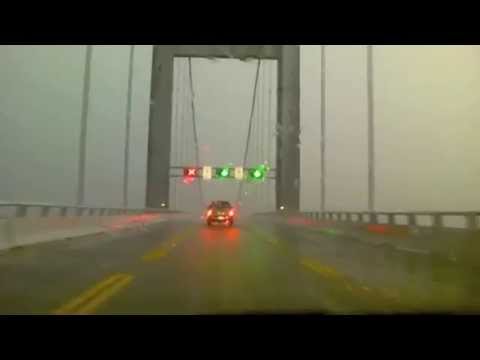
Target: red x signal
[(190, 172)]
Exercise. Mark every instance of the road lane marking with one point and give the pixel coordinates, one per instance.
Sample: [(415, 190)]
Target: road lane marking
[(164, 249), (331, 274), (325, 271), (87, 295), (91, 299), (90, 307), (155, 255), (416, 251)]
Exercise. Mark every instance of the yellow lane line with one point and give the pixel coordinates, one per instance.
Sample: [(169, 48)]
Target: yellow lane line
[(331, 273), (351, 285), (90, 307), (325, 271), (92, 295), (169, 245), (155, 255)]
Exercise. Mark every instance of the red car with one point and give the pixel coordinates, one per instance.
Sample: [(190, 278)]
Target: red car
[(220, 212)]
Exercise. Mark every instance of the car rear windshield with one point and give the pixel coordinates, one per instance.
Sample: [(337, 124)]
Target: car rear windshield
[(221, 205)]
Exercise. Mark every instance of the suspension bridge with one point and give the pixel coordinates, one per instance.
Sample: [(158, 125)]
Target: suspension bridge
[(114, 223)]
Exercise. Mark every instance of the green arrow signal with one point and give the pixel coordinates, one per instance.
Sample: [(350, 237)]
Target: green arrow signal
[(223, 173), (258, 173)]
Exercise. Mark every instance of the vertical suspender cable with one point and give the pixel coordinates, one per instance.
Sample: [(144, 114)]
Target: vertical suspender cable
[(249, 134), (195, 132), (128, 118), (270, 132), (176, 124)]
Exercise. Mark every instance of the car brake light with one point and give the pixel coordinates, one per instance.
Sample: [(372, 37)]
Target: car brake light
[(231, 213)]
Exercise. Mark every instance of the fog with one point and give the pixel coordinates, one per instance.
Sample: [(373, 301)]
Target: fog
[(426, 111), (223, 90)]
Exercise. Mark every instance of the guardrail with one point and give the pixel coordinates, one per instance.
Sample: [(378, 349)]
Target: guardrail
[(24, 224), (471, 218), (437, 219), (9, 210)]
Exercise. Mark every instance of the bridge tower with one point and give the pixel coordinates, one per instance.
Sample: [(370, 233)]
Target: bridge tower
[(288, 117)]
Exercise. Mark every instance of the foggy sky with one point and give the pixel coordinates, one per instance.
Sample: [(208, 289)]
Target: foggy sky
[(426, 101), (223, 98)]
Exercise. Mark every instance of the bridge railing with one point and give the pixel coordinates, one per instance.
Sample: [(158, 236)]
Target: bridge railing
[(19, 210), (435, 219)]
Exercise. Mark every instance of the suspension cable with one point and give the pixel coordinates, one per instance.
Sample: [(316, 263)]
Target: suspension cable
[(176, 124), (270, 127), (258, 136), (195, 133), (184, 115), (250, 123), (262, 138)]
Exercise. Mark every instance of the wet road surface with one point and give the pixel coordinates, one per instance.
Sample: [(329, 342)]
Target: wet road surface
[(258, 266)]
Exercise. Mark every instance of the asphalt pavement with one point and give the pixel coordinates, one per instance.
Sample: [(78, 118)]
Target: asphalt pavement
[(259, 266)]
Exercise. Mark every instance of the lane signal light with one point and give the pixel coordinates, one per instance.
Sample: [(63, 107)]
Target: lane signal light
[(223, 173), (190, 172), (239, 173), (189, 175), (207, 172), (258, 173)]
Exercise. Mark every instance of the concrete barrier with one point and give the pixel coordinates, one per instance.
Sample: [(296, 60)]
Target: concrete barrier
[(24, 231)]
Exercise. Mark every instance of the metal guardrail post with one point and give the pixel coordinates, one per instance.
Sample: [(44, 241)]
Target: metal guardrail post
[(373, 218), (349, 217), (412, 220), (391, 219), (63, 211), (437, 220), (21, 211), (471, 221), (45, 210)]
